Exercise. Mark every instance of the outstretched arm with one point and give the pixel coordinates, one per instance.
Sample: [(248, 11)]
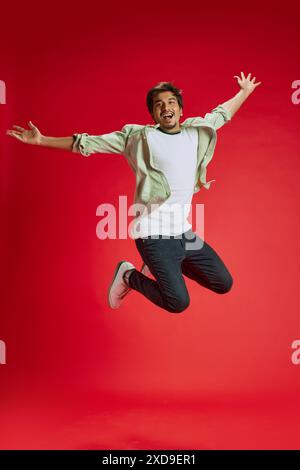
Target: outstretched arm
[(113, 142), (34, 137), (247, 86)]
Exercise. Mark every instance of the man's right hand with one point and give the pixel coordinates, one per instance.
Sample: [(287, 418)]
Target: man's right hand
[(31, 136)]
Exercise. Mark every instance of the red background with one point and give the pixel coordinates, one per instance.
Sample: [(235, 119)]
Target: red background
[(80, 375)]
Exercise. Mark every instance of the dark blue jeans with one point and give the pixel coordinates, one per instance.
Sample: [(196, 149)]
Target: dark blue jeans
[(168, 258)]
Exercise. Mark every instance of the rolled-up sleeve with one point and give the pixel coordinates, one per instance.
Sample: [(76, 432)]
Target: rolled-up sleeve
[(218, 116), (114, 142), (80, 144)]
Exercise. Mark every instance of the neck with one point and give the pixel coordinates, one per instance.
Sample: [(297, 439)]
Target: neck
[(169, 132)]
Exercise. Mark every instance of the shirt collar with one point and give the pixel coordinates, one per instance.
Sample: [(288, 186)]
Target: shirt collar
[(155, 126)]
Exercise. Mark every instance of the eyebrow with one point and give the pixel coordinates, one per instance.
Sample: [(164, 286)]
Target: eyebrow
[(171, 98)]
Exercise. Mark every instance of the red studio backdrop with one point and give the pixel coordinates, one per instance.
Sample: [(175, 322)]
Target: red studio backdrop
[(75, 374)]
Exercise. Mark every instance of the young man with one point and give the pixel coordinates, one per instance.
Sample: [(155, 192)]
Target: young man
[(169, 159)]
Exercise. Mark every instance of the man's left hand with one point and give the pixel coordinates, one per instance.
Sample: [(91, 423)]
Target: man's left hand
[(247, 84)]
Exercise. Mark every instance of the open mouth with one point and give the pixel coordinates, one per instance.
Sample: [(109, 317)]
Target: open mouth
[(167, 117)]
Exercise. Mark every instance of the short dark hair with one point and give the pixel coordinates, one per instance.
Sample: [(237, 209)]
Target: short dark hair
[(163, 86)]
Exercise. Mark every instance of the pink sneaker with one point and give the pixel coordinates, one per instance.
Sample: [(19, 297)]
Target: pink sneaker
[(118, 288)]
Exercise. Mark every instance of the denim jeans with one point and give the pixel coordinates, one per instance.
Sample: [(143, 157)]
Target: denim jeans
[(168, 258)]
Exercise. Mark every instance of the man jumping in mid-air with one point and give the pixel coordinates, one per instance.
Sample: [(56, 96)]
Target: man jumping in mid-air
[(169, 159)]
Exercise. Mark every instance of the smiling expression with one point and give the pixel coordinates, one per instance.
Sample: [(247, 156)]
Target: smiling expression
[(166, 111)]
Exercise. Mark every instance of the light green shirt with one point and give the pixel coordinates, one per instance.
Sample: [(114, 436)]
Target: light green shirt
[(131, 141)]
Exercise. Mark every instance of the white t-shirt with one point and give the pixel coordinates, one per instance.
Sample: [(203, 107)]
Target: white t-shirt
[(176, 156)]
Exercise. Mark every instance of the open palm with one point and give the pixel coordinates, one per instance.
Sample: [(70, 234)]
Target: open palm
[(247, 84), (28, 136)]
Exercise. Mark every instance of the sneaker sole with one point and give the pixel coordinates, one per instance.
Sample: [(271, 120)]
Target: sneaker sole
[(109, 289)]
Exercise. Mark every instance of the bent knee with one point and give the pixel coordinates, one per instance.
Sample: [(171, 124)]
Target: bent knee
[(226, 285), (178, 305)]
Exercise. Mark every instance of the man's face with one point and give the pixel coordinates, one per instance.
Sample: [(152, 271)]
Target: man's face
[(165, 103)]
